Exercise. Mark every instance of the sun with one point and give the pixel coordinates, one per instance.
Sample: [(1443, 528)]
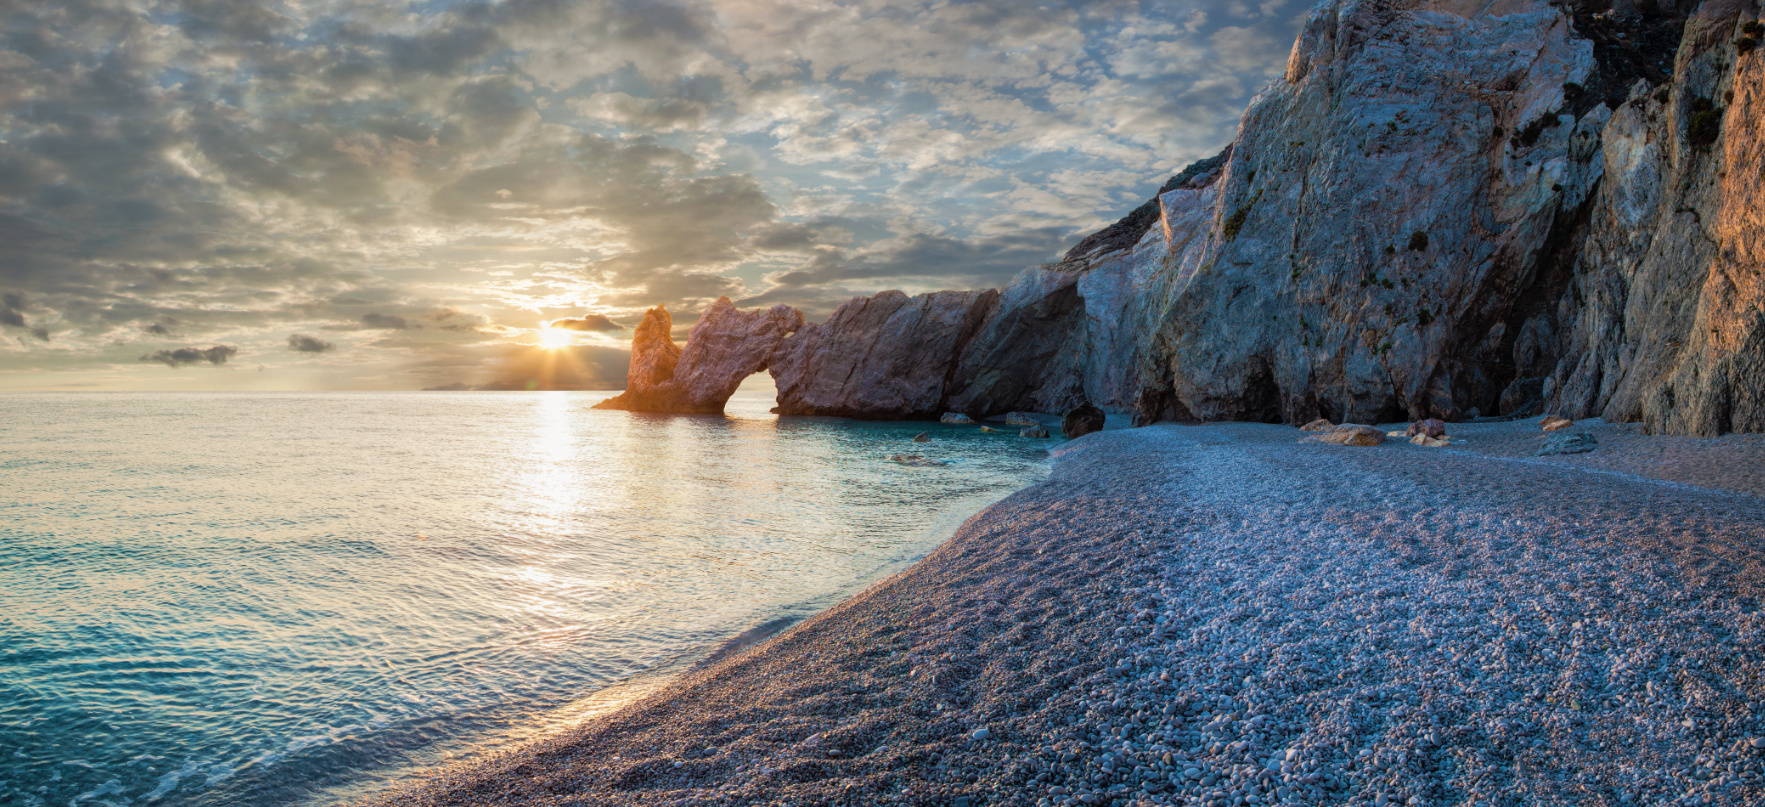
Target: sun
[(556, 338)]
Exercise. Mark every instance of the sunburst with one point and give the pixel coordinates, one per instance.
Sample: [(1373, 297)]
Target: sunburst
[(556, 338)]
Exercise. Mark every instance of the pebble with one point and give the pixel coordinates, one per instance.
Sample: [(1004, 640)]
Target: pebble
[(1223, 617)]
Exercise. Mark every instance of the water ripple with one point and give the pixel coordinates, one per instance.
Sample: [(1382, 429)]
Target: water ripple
[(278, 599)]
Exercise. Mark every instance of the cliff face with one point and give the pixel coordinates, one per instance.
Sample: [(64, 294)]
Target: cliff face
[(1667, 300), (885, 356), (1385, 214), (1444, 208)]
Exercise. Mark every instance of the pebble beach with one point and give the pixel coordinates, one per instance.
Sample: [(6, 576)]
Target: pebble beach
[(1223, 615)]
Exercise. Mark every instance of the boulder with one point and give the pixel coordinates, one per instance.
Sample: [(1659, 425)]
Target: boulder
[(1523, 398), (1082, 420), (1553, 423), (1034, 431), (1567, 443), (1021, 419), (1432, 427), (1430, 442), (990, 430), (922, 437), (722, 350), (1352, 434), (954, 417), (1319, 425)]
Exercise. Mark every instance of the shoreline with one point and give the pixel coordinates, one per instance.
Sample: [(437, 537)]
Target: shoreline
[(565, 717), (1219, 615)]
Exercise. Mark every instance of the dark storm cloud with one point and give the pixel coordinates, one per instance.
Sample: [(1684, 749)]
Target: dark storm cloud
[(386, 322), (12, 310), (185, 356), (304, 343), (586, 322)]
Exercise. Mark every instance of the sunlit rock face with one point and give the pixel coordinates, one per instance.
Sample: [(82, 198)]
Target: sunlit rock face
[(653, 352), (724, 348), (1668, 298), (1444, 208), (885, 356), (1390, 224)]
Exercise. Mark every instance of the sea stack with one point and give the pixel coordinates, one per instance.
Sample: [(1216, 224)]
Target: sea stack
[(723, 349)]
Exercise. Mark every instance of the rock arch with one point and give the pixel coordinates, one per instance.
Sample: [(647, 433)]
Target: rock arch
[(723, 349)]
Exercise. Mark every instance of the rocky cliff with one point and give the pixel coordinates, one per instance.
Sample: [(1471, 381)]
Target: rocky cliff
[(1665, 311), (723, 349), (1442, 209), (886, 356)]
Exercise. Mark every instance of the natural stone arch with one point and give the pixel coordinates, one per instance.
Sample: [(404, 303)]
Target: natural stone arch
[(723, 349)]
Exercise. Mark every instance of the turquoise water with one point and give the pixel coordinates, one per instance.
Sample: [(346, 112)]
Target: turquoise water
[(297, 598)]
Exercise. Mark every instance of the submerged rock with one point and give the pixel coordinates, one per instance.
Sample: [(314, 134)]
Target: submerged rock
[(1561, 443), (916, 461), (723, 349), (1082, 420), (922, 437), (955, 417), (1034, 431)]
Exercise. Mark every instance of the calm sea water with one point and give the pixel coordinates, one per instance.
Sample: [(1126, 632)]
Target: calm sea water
[(297, 598)]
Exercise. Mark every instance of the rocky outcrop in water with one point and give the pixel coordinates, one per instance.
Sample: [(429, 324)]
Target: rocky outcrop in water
[(723, 349), (1442, 209), (885, 356)]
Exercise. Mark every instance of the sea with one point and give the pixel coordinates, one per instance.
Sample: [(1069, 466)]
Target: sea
[(303, 598)]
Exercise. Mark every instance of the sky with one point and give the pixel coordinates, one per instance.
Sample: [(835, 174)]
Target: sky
[(343, 194)]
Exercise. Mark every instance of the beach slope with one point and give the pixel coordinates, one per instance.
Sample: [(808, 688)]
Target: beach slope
[(1222, 615)]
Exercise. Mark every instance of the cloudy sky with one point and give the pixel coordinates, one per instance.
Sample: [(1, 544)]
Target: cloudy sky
[(375, 194)]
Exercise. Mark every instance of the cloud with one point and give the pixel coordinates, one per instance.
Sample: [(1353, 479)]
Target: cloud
[(185, 356), (586, 322), (229, 170), (379, 321), (309, 344), (12, 310), (580, 367)]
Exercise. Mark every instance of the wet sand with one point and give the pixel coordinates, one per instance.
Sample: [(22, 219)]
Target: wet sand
[(1222, 615)]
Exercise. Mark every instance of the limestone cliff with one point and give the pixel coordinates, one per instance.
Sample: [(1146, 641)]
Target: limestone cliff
[(885, 356), (1668, 301), (1443, 208)]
